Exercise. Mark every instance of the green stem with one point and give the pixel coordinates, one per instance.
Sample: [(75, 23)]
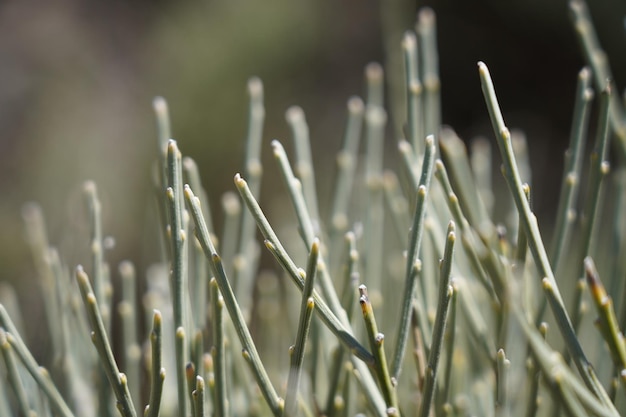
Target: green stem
[(306, 314), (157, 372), (376, 343), (535, 241), (413, 253), (445, 294), (273, 244), (100, 340), (178, 242), (218, 352), (249, 349)]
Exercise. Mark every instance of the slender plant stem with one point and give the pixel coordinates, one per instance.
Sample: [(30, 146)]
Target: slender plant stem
[(218, 351), (535, 242), (101, 341), (13, 376), (427, 31), (249, 349), (376, 343), (503, 366), (375, 121), (607, 321), (445, 294), (375, 85), (596, 58), (39, 374), (572, 169), (304, 162), (346, 167), (248, 248), (127, 310), (198, 398), (178, 244), (306, 314), (157, 372), (332, 321), (414, 89), (413, 253)]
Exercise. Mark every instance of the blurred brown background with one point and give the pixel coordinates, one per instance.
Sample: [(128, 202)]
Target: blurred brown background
[(78, 77)]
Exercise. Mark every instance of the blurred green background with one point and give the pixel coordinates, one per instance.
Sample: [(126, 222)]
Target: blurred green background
[(78, 78)]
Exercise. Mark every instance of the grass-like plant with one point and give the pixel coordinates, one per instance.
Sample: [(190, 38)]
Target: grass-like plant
[(456, 307)]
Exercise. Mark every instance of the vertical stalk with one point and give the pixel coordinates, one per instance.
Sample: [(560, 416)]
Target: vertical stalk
[(412, 256)]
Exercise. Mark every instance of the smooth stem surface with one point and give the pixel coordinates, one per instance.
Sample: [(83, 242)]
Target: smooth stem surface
[(304, 325), (413, 253), (445, 294), (273, 244), (157, 372), (101, 341), (249, 348), (572, 169), (178, 247), (39, 374), (13, 376), (535, 241), (218, 351), (376, 343)]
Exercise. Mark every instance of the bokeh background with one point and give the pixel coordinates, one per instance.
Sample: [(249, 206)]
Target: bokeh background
[(77, 79)]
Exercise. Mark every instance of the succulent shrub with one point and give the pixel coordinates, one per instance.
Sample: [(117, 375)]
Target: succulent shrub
[(456, 308)]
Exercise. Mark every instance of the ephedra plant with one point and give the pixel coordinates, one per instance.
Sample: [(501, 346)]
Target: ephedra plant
[(408, 298)]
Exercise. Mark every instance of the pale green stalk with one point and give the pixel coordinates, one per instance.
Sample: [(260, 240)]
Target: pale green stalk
[(157, 372), (471, 244), (536, 243), (178, 245), (249, 349), (192, 177), (100, 284), (38, 241), (127, 309), (534, 373), (398, 207), (39, 374), (503, 366), (231, 207), (376, 344), (480, 162), (298, 349), (375, 122), (348, 298), (449, 340), (375, 85), (412, 256), (218, 352), (414, 96), (559, 378), (340, 324), (347, 159), (273, 244), (598, 170), (596, 58), (248, 251), (100, 340), (13, 376), (445, 294), (607, 320), (198, 398), (304, 162), (454, 155), (164, 131), (427, 31), (572, 170)]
